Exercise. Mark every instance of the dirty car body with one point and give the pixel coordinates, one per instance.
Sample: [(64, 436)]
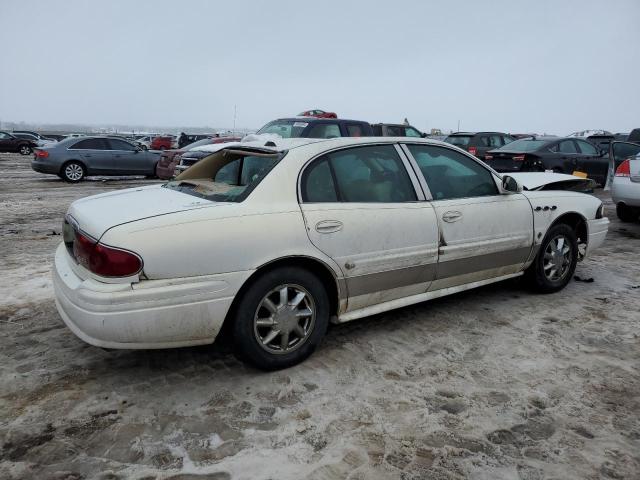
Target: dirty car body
[(280, 240)]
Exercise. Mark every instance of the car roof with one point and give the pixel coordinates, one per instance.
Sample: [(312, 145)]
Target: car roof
[(315, 119), (475, 133)]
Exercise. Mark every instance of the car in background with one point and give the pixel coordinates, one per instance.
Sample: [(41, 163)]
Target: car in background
[(36, 135), (317, 114), (12, 143), (556, 154), (74, 135), (170, 159), (75, 158), (396, 130), (163, 142), (307, 127), (146, 140), (625, 184), (275, 241), (479, 143), (601, 141), (28, 136)]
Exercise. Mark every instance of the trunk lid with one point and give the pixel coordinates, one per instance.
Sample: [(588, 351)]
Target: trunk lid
[(96, 214), (504, 161)]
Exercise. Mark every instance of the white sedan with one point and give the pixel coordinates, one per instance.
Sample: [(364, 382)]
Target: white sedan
[(625, 188), (277, 239)]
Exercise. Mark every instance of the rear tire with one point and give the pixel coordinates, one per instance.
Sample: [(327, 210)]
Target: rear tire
[(280, 319), (556, 261), (73, 172), (626, 213), (24, 150)]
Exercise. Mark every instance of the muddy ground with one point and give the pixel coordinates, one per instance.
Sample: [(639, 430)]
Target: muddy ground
[(496, 383)]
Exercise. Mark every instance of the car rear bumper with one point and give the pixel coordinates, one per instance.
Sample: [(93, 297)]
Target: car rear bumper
[(624, 190), (146, 315), (597, 232), (44, 167)]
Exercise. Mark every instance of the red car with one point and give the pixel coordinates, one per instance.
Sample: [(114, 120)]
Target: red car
[(170, 158), (163, 142), (318, 114)]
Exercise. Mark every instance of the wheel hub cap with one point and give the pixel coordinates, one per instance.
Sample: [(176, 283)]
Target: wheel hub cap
[(557, 258)]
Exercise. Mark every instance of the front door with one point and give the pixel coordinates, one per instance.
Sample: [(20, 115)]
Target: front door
[(364, 209), (126, 159), (483, 234)]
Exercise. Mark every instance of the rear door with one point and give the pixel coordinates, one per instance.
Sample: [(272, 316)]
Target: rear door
[(95, 154), (364, 209), (483, 234), (592, 162)]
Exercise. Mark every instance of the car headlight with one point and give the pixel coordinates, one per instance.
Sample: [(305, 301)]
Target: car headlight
[(600, 211)]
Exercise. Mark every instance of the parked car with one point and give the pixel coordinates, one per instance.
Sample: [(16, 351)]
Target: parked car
[(146, 140), (35, 136), (75, 158), (28, 136), (396, 130), (317, 128), (170, 159), (557, 154), (479, 143), (634, 136), (625, 184), (12, 143), (277, 240), (197, 153), (318, 114), (163, 142)]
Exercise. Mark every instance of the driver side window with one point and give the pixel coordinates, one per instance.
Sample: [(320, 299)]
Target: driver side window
[(450, 174)]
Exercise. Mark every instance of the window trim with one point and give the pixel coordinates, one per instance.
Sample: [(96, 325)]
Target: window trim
[(107, 144), (497, 179), (415, 183)]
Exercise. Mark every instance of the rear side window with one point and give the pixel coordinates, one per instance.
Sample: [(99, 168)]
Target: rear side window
[(371, 174), (450, 174), (567, 146), (91, 144), (324, 130)]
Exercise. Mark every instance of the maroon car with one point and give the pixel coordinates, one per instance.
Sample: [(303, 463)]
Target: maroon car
[(318, 114), (170, 158)]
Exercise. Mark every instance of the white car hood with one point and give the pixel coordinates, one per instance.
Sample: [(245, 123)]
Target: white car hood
[(535, 180), (96, 214)]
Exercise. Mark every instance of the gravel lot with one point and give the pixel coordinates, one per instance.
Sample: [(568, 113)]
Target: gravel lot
[(496, 383)]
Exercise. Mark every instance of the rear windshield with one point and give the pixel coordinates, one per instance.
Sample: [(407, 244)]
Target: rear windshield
[(199, 143), (459, 140), (225, 176), (285, 128), (524, 145)]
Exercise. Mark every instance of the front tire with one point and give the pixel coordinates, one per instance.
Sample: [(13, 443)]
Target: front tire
[(556, 261), (626, 213), (24, 150), (73, 172), (281, 318)]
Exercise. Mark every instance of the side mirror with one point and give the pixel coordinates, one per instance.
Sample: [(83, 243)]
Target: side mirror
[(510, 185)]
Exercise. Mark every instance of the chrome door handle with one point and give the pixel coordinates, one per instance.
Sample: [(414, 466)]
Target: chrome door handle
[(328, 226), (451, 217)]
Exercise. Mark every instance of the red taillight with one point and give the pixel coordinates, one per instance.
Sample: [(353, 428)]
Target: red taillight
[(488, 157), (103, 260), (41, 153), (624, 169), (473, 150), (518, 158)]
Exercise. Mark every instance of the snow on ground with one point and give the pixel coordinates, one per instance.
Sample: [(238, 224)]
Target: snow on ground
[(496, 383)]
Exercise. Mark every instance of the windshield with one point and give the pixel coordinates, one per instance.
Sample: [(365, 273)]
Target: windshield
[(458, 140), (524, 145), (225, 176), (284, 128)]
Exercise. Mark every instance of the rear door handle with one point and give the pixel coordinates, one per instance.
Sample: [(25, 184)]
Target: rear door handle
[(328, 226), (452, 216)]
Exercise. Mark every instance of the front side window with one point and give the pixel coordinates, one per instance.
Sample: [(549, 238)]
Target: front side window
[(4, 136), (567, 147), (90, 144), (587, 148), (225, 176), (370, 174), (450, 174), (121, 145), (324, 130)]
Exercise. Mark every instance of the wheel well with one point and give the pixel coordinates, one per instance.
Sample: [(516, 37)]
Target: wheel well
[(75, 161), (577, 222), (317, 267)]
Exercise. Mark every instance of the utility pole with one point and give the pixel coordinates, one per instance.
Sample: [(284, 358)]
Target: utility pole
[(235, 111), (458, 125)]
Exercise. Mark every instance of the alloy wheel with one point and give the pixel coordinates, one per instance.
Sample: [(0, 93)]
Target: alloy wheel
[(73, 172), (557, 258), (25, 150), (284, 319)]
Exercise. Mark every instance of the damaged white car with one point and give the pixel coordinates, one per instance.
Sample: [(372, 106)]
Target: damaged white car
[(277, 240)]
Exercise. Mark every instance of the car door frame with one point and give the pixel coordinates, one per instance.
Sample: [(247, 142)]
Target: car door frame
[(469, 269), (368, 289)]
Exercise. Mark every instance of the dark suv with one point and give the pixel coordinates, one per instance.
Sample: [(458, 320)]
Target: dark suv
[(310, 127), (396, 130), (11, 143), (479, 143)]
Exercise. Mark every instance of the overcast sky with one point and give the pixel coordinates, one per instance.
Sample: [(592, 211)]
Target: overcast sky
[(515, 66)]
